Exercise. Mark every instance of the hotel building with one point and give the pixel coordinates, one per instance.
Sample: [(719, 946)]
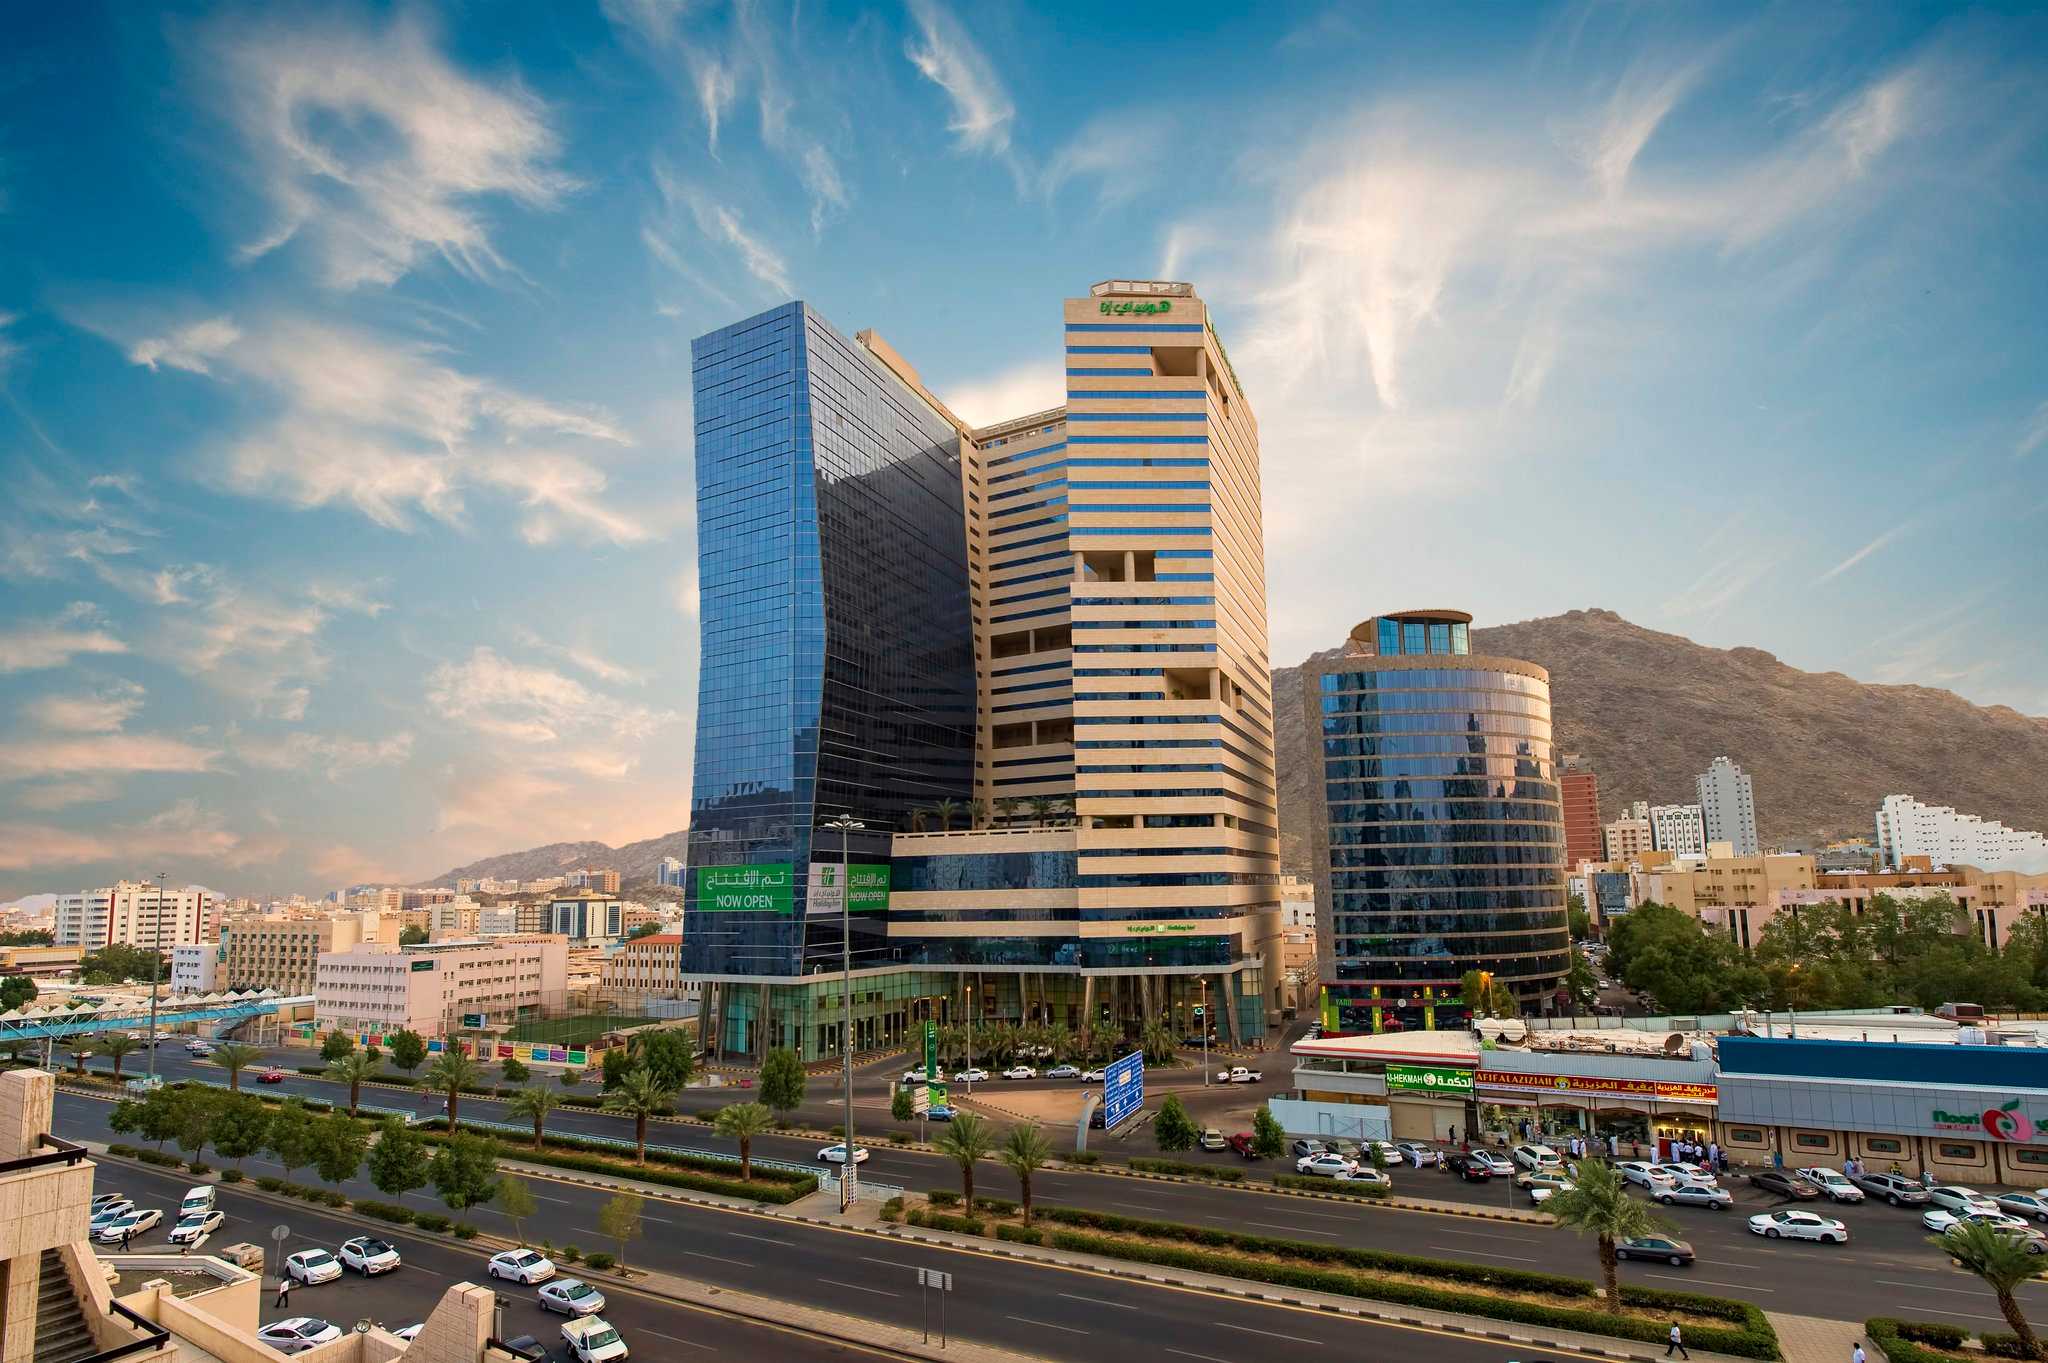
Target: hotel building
[(131, 913)]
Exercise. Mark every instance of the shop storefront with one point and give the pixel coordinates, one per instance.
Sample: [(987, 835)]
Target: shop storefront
[(1526, 1096)]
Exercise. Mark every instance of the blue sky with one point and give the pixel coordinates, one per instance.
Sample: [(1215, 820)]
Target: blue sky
[(344, 356)]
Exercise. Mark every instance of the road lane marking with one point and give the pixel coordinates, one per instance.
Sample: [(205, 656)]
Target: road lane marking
[(1711, 1282), (1518, 1258), (764, 1239), (1141, 1206), (1930, 1287), (543, 1197), (1483, 1234), (696, 1254), (890, 1262), (1119, 1305), (1047, 1325), (1206, 1358), (675, 1340), (1298, 1230), (1269, 1334), (856, 1287)]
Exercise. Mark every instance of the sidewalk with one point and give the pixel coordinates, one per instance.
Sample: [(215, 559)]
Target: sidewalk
[(1809, 1339)]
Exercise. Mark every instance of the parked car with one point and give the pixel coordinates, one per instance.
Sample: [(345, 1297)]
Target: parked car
[(101, 1220), (1303, 1147), (970, 1076), (312, 1266), (110, 1202), (836, 1153), (592, 1339), (1417, 1154), (1941, 1221), (1797, 1225), (1238, 1074), (2011, 1227), (298, 1334), (1496, 1165), (572, 1297), (1092, 1076), (1681, 1172), (1064, 1072), (1832, 1183), (521, 1266), (1542, 1186), (199, 1048), (128, 1224), (1954, 1197), (1328, 1164), (1676, 1253), (1245, 1144), (1468, 1168), (1778, 1182), (273, 1075), (1365, 1173), (1896, 1189), (2034, 1204), (144, 1083), (368, 1255), (191, 1228), (1212, 1139), (1538, 1157), (916, 1076), (1694, 1195), (1642, 1174)]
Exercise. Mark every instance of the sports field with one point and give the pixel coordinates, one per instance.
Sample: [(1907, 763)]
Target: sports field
[(576, 1029)]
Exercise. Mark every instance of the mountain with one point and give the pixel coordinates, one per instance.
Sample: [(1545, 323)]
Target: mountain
[(634, 861), (1648, 711)]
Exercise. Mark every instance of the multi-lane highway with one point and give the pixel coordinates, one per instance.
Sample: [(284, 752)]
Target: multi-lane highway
[(1034, 1309), (1888, 1266)]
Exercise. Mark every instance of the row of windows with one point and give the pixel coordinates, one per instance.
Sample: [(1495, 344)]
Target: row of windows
[(1028, 615), (1431, 880), (1447, 833), (1144, 624), (1434, 755), (1183, 486), (1091, 853), (1547, 904), (1028, 667), (1137, 416), (1151, 880), (1335, 726), (1078, 394), (1410, 811), (1419, 678), (1128, 769), (1399, 948), (1022, 454), (1030, 686), (1144, 601), (1469, 855), (1493, 702), (1138, 440), (1111, 373), (1422, 636), (1144, 648), (983, 871), (1350, 922), (1140, 508)]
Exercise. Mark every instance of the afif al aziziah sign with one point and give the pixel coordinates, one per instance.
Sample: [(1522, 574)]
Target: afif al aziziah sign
[(1583, 1083)]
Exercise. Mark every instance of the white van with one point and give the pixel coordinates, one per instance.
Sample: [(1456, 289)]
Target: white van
[(198, 1202)]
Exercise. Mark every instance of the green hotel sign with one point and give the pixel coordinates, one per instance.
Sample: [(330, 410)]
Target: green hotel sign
[(1159, 927), (1429, 1079), (865, 883), (1128, 305), (745, 889)]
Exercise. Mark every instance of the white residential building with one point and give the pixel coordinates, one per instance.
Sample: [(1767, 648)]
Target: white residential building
[(1729, 807), (1908, 828), (129, 913), (1679, 829), (498, 921), (588, 917), (374, 988), (196, 967)]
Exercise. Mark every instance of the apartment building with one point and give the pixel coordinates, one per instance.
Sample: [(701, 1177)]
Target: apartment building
[(375, 988), (1907, 828), (130, 912), (283, 954), (195, 967), (1578, 788), (646, 965), (605, 881), (1630, 835), (587, 917), (1678, 829), (1728, 806)]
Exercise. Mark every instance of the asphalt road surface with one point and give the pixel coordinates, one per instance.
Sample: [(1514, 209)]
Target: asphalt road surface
[(1038, 1310)]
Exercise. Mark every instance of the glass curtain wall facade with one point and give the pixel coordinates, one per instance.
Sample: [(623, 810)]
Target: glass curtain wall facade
[(1441, 843), (837, 672)]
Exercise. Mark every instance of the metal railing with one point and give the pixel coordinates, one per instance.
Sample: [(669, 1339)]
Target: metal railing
[(154, 1336), (61, 1152)]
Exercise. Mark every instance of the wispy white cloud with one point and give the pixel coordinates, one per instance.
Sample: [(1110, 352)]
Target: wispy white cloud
[(326, 754), (373, 147), (1865, 552), (100, 754), (719, 224), (526, 703), (34, 645), (2036, 434), (945, 55), (182, 834), (10, 349), (192, 347), (1124, 152), (1013, 392), (103, 710)]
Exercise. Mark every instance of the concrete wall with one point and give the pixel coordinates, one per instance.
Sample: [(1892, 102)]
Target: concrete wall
[(1346, 1121)]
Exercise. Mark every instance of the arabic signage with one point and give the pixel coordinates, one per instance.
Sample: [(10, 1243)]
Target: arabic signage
[(1584, 1083), (1141, 308), (2003, 1123), (1428, 1079), (745, 889), (870, 887), (1159, 927)]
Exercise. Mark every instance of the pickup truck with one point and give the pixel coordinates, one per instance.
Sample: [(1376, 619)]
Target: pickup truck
[(1238, 1075), (143, 1084)]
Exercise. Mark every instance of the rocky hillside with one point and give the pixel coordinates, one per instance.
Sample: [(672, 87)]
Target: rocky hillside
[(1649, 711), (636, 861)]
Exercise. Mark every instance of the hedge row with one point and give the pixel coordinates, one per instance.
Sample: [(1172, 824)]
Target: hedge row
[(1024, 1235), (959, 1225), (1347, 1187), (1222, 1173), (717, 1168), (386, 1211), (1924, 1341), (760, 1190), (1754, 1340), (304, 1192)]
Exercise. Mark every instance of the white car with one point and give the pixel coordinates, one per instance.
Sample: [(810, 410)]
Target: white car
[(1833, 1183), (1240, 1075), (970, 1076), (521, 1266), (1365, 1173), (1538, 1157), (915, 1076), (298, 1334), (1492, 1163), (1643, 1175), (836, 1153), (2034, 1204), (368, 1255), (1792, 1225), (1417, 1154), (198, 1048), (1063, 1072), (1694, 1195), (1388, 1151), (593, 1340), (190, 1228), (1093, 1076), (1542, 1186), (1329, 1164), (1682, 1172), (129, 1224), (1942, 1221), (1955, 1197), (572, 1297), (110, 1205), (313, 1266), (1020, 1072), (197, 1201)]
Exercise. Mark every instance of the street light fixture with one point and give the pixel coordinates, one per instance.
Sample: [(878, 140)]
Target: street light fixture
[(846, 826), (156, 964)]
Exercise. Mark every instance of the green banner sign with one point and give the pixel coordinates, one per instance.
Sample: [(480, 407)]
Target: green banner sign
[(1428, 1079), (1146, 307), (745, 889), (868, 881), (931, 1050)]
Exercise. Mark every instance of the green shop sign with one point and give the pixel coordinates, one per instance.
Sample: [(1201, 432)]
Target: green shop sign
[(865, 883), (1159, 927), (1150, 306), (1428, 1079), (745, 889)]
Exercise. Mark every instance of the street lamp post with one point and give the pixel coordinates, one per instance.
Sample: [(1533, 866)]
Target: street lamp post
[(1205, 1032), (846, 826), (156, 965), (970, 1038)]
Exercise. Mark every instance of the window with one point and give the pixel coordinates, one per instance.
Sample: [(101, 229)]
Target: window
[(1807, 1140), (2034, 1157), (1745, 1135), (1958, 1150), (1884, 1145)]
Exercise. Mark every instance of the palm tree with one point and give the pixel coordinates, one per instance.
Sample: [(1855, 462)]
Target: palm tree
[(965, 1141), (1006, 808), (2002, 1261), (639, 1096), (451, 1073), (82, 1051), (1088, 1041), (742, 1122), (918, 819), (534, 1104), (944, 811), (1598, 1203), (352, 1069), (1025, 1150), (234, 1058), (1158, 1043), (1041, 809), (114, 1045), (977, 813)]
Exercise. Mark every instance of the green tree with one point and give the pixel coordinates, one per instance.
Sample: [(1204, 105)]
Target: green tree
[(16, 991), (668, 1054), (240, 1126), (234, 1058), (451, 1073), (408, 1050), (514, 1071), (1268, 1140), (117, 963), (1667, 954), (336, 1045), (291, 1138), (966, 1139), (1577, 919), (80, 1052), (465, 1171), (534, 1104), (570, 1078), (31, 937), (902, 1107), (1026, 1150), (412, 936), (515, 1200), (1487, 996), (2003, 1262), (741, 1122), (619, 1221), (643, 930), (155, 1116), (1581, 985), (339, 1143), (352, 1069), (398, 1161), (618, 1063), (945, 811), (1598, 1204), (639, 1096), (1159, 1044), (116, 1045), (194, 1110), (782, 1081), (1174, 1129)]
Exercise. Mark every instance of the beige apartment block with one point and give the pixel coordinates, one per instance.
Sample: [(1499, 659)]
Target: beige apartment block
[(375, 988), (283, 954)]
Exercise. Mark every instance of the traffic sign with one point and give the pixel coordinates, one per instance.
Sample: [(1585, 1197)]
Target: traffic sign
[(932, 1277), (1123, 1089), (280, 1233)]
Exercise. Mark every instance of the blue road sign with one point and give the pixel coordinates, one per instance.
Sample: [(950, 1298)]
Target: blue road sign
[(1123, 1088)]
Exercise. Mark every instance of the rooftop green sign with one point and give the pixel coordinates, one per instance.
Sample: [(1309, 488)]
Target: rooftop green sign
[(745, 889), (1131, 305)]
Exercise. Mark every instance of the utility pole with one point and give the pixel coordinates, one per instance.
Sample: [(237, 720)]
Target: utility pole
[(1205, 1031), (156, 965), (846, 825)]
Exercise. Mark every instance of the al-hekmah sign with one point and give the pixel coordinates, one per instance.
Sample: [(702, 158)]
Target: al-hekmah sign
[(1428, 1079), (1584, 1083)]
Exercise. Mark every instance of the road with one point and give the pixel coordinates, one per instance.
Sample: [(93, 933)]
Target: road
[(1887, 1268), (1034, 1309)]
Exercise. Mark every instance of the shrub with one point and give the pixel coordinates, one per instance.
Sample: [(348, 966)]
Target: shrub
[(892, 1210), (1026, 1235), (386, 1211), (1345, 1186), (200, 1166), (898, 1138), (961, 1225), (780, 1186), (940, 1197), (570, 1254), (1906, 1341), (269, 1183), (333, 1197), (2002, 1345), (430, 1221), (117, 1148), (599, 1260), (232, 1176), (1081, 1157), (464, 1231), (159, 1159), (1188, 1169), (995, 1206)]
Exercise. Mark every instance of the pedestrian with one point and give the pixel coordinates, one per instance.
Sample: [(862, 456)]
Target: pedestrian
[(1677, 1342), (1613, 1146), (284, 1292), (127, 1234), (1856, 1354), (1713, 1153), (1454, 1133)]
